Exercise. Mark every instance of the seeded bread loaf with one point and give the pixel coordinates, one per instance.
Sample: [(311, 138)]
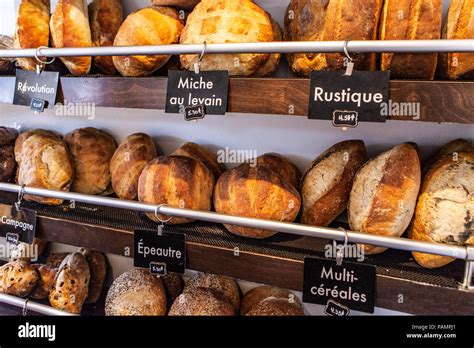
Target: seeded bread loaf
[(202, 302)]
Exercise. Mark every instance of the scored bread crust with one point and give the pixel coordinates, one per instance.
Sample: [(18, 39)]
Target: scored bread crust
[(202, 154), (271, 64), (410, 20), (282, 166)]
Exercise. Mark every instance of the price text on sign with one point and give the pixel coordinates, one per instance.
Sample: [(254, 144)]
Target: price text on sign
[(30, 85), (17, 222), (347, 100), (351, 284)]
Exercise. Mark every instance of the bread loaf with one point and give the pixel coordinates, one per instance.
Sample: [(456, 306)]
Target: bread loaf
[(25, 135), (445, 208), (45, 282), (253, 297), (454, 146), (105, 18), (383, 196), (221, 21), (255, 192), (98, 271), (70, 28), (458, 26), (92, 150), (282, 166), (136, 292), (271, 64), (155, 25), (327, 20), (202, 154), (275, 307), (55, 260), (328, 181), (7, 154), (18, 278), (177, 181), (32, 29), (411, 20), (128, 162), (45, 163), (201, 302), (173, 285), (185, 4)]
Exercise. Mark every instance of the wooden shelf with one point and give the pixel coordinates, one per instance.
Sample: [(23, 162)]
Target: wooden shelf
[(441, 101)]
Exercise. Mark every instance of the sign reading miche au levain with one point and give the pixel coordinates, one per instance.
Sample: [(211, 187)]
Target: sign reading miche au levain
[(30, 85), (17, 222), (160, 254), (347, 100), (351, 284), (208, 88)]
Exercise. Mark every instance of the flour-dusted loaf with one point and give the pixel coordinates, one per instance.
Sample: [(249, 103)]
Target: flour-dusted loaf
[(255, 192), (202, 302), (200, 153), (25, 135), (459, 24), (184, 4), (282, 166), (98, 271), (128, 162), (278, 307), (32, 29), (445, 209), (178, 181), (154, 25), (136, 293), (253, 297), (45, 282), (331, 20), (105, 18), (383, 196), (70, 28), (227, 21), (271, 65), (411, 20), (327, 182), (7, 154), (18, 278), (92, 150), (45, 163)]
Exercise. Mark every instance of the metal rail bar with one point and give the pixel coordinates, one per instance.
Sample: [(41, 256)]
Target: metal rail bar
[(32, 306)]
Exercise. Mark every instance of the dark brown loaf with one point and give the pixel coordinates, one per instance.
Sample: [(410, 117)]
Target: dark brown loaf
[(98, 271), (173, 285), (55, 260), (45, 282), (255, 192), (18, 278), (253, 297), (328, 181), (177, 181), (275, 307), (7, 154), (282, 166), (383, 196), (202, 302), (185, 4), (128, 162), (202, 154)]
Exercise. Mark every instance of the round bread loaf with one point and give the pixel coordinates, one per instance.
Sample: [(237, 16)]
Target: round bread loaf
[(128, 162), (273, 306), (271, 64), (178, 181), (92, 150), (25, 135), (154, 25), (173, 285), (383, 196), (221, 21), (7, 154), (227, 286), (255, 192), (136, 293), (201, 302), (445, 208), (327, 182), (202, 154), (98, 271), (282, 166), (253, 297), (45, 281), (18, 278)]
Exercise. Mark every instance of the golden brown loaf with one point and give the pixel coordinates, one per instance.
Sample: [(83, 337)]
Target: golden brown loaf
[(32, 29), (271, 65), (383, 196), (70, 28), (98, 271), (227, 21), (282, 166), (326, 20), (25, 135), (201, 302), (328, 181), (18, 278), (45, 282), (411, 20), (136, 293), (185, 4), (255, 192), (128, 162), (459, 25), (154, 25), (92, 150), (275, 307), (178, 181), (105, 18), (7, 154), (45, 163), (445, 208), (202, 154), (253, 297)]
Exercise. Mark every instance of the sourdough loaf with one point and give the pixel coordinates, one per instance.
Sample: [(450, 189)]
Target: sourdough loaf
[(202, 154), (45, 282), (7, 154), (282, 166), (18, 278), (253, 297), (202, 302)]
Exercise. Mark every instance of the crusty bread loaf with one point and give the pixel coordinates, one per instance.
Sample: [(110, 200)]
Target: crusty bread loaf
[(136, 293), (202, 154), (32, 29), (45, 282), (454, 146), (7, 154), (255, 192), (226, 286), (55, 260), (154, 25), (128, 162), (458, 26), (445, 207), (185, 4), (253, 297), (92, 150), (70, 28), (383, 196), (173, 285), (105, 18), (282, 166), (25, 135), (45, 163), (327, 182), (201, 302), (411, 20), (326, 20), (271, 65), (71, 284), (273, 306), (221, 21), (18, 278), (98, 271), (178, 181)]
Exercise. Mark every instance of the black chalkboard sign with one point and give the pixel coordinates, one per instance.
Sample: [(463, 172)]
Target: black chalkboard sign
[(30, 85), (19, 225)]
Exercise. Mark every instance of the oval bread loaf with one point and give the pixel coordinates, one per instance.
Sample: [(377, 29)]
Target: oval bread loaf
[(253, 297), (18, 278), (273, 306), (98, 271), (45, 282), (7, 154)]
